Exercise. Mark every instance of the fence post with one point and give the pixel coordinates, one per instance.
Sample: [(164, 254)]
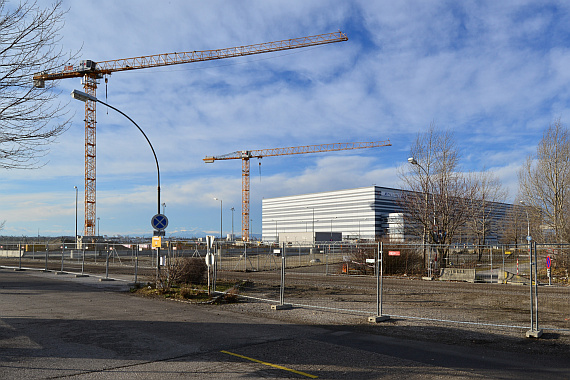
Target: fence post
[(82, 264), (107, 264), (379, 265), (535, 287), (136, 262), (491, 254), (534, 332), (83, 261), (62, 251), (282, 288), (503, 257), (282, 305), (20, 254), (215, 267), (327, 250)]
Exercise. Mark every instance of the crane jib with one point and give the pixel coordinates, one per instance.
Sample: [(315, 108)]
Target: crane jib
[(167, 59), (91, 71)]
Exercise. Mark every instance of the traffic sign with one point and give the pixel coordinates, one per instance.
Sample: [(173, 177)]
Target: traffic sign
[(159, 222), (548, 262), (210, 239), (209, 259)]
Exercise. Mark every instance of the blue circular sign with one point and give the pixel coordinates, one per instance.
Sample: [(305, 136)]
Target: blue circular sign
[(159, 222)]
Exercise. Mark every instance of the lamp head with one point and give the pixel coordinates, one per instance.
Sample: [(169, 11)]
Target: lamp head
[(82, 96)]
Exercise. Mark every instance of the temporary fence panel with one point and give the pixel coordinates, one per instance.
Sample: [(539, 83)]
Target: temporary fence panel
[(489, 285)]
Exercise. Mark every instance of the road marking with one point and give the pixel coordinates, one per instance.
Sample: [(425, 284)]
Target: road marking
[(271, 365)]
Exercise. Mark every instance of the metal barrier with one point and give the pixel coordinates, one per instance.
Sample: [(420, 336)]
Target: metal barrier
[(505, 286)]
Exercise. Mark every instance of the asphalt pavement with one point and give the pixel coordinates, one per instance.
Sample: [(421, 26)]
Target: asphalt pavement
[(62, 326)]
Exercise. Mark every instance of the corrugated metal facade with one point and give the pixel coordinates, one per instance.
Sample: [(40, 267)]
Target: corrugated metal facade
[(356, 213)]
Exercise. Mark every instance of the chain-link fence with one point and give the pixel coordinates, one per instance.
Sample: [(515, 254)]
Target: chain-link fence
[(509, 286)]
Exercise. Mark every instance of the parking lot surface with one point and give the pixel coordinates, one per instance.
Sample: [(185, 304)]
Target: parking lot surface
[(60, 326)]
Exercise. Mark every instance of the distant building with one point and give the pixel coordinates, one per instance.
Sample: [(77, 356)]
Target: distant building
[(365, 213), (362, 213)]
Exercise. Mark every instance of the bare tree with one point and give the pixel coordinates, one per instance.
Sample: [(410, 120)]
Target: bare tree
[(544, 180), (484, 207), (437, 200), (30, 117), (514, 225)]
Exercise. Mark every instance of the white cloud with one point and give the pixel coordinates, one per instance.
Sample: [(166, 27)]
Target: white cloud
[(494, 72)]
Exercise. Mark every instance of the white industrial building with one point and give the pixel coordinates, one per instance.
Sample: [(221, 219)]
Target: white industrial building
[(362, 213)]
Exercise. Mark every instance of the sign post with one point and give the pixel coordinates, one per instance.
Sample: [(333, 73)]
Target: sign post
[(548, 273), (159, 222), (210, 260)]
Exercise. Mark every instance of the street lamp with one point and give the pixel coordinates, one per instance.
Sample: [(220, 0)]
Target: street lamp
[(413, 161), (276, 234), (75, 187), (528, 238), (84, 97), (332, 224), (359, 227), (221, 213), (164, 209), (534, 330), (233, 209), (313, 222)]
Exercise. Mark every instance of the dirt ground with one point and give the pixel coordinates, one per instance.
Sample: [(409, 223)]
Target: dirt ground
[(473, 314)]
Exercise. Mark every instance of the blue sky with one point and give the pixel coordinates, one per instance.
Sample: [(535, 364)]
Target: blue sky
[(495, 73)]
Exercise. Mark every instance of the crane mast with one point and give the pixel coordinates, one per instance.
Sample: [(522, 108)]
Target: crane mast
[(246, 155), (91, 71)]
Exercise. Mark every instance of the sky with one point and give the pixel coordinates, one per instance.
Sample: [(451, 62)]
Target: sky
[(495, 73)]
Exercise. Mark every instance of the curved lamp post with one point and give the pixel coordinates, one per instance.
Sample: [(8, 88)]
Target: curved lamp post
[(75, 187), (221, 216), (534, 331), (82, 96), (413, 161), (233, 209)]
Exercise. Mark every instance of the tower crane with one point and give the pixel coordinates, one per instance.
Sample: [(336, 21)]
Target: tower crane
[(91, 71), (246, 155)]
